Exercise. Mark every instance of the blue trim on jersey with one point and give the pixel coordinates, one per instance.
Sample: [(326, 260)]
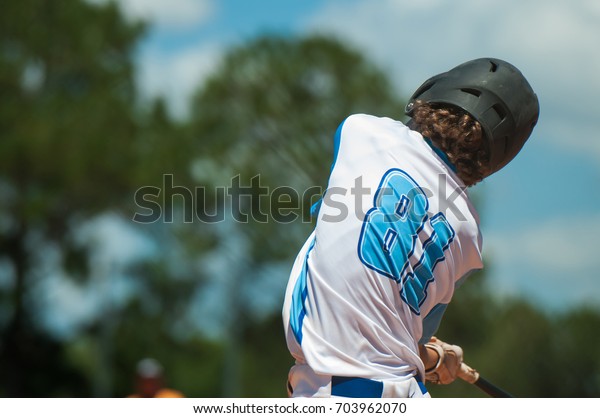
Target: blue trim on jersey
[(337, 139), (314, 209), (359, 387), (298, 309), (356, 387), (440, 154)]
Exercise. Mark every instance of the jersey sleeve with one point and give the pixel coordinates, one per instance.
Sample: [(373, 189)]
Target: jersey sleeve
[(432, 321)]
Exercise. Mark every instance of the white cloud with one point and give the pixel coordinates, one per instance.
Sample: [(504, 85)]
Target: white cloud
[(167, 14), (411, 34), (174, 72), (554, 262), (553, 42), (177, 75), (557, 41)]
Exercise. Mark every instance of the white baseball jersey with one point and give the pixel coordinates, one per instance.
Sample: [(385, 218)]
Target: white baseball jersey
[(395, 232)]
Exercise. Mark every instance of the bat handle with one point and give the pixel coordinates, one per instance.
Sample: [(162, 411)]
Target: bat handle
[(471, 375), (468, 374)]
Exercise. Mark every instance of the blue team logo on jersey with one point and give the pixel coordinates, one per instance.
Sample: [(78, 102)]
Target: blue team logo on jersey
[(394, 230)]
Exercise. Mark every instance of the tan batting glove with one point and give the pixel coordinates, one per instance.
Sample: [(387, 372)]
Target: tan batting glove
[(448, 365)]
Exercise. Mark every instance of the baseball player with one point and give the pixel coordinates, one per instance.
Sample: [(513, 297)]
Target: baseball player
[(149, 381), (396, 234)]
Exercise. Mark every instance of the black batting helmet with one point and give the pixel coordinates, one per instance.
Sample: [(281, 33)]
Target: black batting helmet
[(496, 94)]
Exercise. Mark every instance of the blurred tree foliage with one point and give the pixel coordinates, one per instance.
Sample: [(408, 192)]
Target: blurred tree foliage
[(521, 348), (67, 126), (77, 143), (74, 144)]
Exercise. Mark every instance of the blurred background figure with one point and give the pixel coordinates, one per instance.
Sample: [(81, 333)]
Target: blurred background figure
[(150, 381)]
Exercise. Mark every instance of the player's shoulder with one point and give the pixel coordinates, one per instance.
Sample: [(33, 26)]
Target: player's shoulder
[(363, 120), (361, 126)]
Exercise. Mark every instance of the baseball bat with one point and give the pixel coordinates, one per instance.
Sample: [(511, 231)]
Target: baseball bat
[(470, 375)]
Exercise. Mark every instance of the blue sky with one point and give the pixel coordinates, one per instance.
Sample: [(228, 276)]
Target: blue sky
[(540, 215)]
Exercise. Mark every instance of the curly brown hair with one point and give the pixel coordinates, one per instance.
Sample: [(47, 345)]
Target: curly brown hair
[(457, 134)]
